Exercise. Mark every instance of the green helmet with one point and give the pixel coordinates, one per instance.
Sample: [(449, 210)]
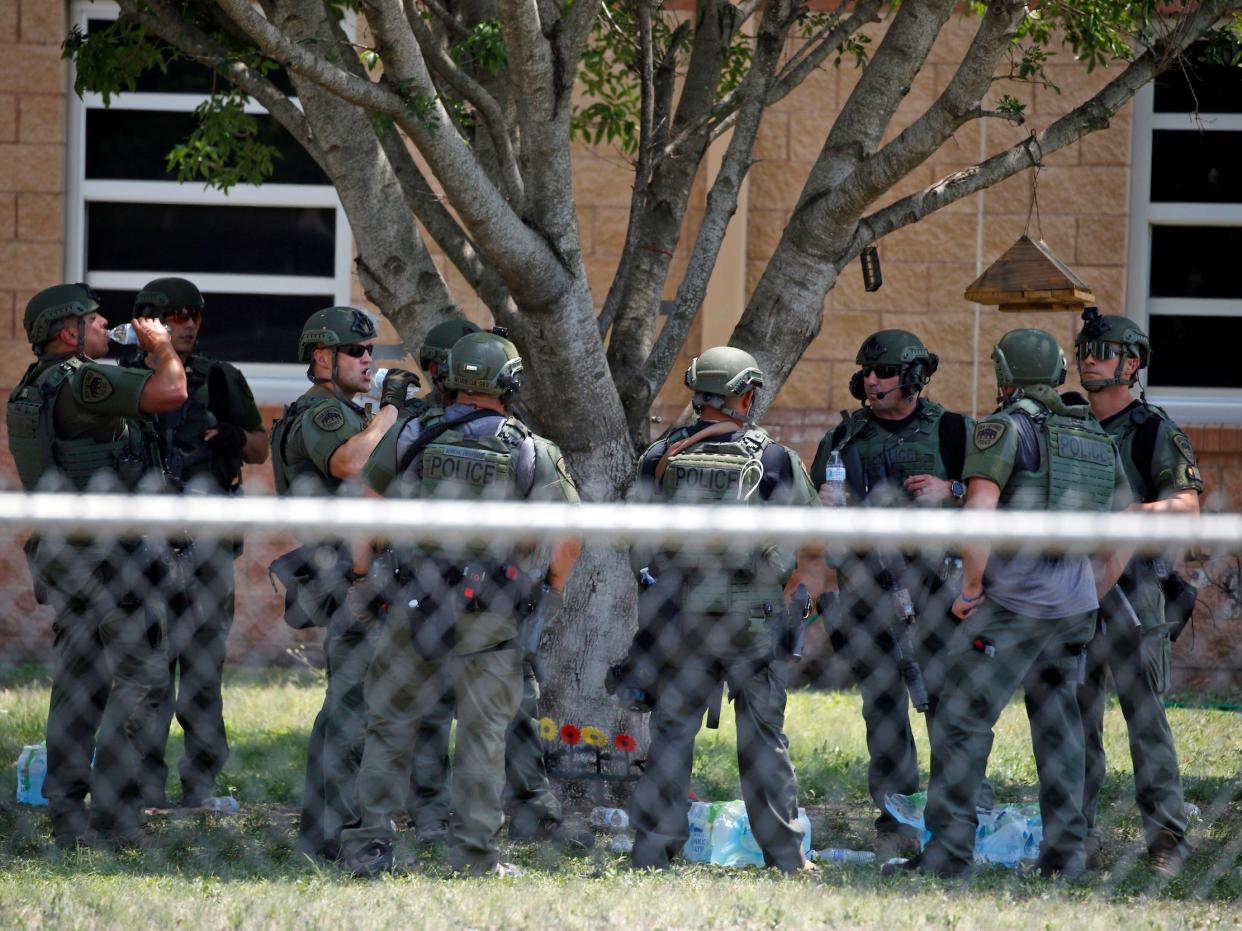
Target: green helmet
[(55, 303), (891, 347), (1028, 357), (440, 339), (725, 371), (334, 326), (1098, 331), (165, 294), (483, 363)]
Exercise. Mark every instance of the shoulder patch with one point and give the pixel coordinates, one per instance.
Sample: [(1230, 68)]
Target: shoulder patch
[(988, 433), (1182, 442), (95, 387), (329, 419)]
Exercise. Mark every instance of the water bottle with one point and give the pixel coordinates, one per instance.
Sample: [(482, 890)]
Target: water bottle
[(615, 819), (844, 855), (31, 771), (224, 803), (833, 492), (377, 386), (124, 335)]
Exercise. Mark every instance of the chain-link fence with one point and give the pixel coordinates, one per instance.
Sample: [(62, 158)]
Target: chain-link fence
[(463, 709)]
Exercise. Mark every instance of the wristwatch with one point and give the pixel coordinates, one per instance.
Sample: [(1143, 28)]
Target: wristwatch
[(957, 490)]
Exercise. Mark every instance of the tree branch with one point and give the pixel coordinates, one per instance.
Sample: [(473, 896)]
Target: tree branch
[(812, 54), (476, 94), (530, 60), (451, 23)]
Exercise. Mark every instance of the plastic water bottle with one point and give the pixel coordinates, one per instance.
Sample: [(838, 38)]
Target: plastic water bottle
[(844, 855), (124, 335), (615, 819), (224, 803), (833, 492), (31, 771), (377, 383)]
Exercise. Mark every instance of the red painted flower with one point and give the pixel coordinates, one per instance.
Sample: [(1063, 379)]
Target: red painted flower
[(625, 743), (571, 735)]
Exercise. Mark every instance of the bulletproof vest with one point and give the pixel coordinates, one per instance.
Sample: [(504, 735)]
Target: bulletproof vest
[(716, 471), (1076, 467), (37, 450), (181, 432), (458, 465), (1135, 432), (288, 473), (876, 458)]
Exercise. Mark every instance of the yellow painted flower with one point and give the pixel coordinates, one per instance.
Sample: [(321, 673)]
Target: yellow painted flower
[(594, 737), (547, 729)]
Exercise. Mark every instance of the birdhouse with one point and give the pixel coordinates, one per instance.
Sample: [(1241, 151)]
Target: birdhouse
[(1030, 277)]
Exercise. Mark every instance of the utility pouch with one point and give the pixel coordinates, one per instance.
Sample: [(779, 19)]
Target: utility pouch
[(316, 579)]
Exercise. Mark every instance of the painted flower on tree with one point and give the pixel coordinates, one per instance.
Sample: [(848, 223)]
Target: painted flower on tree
[(594, 737), (625, 743), (570, 735), (547, 729)]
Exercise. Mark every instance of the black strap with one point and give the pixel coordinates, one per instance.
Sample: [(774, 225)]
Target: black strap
[(1144, 448), (424, 439), (953, 443)]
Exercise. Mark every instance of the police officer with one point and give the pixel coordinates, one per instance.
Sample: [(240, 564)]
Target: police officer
[(730, 607), (455, 616), (1025, 616), (75, 423), (1133, 639), (319, 447), (203, 444), (899, 449)]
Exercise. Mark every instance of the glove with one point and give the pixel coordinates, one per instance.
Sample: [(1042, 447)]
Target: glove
[(398, 387), (229, 438)]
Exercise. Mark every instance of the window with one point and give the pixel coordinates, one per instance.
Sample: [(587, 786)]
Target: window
[(264, 257), (1183, 277)]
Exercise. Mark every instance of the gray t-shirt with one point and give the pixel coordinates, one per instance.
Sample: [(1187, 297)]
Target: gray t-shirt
[(1041, 586)]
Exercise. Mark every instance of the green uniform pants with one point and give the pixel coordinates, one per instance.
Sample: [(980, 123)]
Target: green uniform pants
[(658, 808), (200, 615), (1139, 660), (528, 794), (330, 794), (401, 688), (109, 671), (992, 653)]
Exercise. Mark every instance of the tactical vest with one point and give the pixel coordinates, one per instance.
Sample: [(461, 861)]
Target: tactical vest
[(181, 432), (459, 466), (889, 458), (1076, 465), (714, 581), (1136, 432), (716, 471), (37, 450), (288, 473)]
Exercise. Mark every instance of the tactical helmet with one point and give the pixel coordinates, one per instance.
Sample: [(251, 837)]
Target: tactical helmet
[(725, 371), (1099, 329), (440, 339), (483, 363), (896, 347), (55, 303), (334, 326), (165, 294), (1028, 357)]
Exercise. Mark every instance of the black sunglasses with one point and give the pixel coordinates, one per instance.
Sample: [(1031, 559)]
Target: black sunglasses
[(881, 371), (357, 350), (183, 315)]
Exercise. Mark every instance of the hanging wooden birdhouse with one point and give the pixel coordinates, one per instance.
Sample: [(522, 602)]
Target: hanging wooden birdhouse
[(1030, 277)]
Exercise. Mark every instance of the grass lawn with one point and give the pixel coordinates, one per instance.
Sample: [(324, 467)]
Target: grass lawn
[(237, 871)]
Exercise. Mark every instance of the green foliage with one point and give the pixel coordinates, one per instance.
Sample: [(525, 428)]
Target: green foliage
[(484, 48), (1011, 106), (113, 58), (224, 149)]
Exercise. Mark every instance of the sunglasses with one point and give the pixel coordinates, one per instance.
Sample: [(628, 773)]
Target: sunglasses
[(183, 315), (357, 350), (881, 371), (1098, 349)]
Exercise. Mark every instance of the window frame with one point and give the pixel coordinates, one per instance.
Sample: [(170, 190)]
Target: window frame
[(272, 383), (1185, 405)]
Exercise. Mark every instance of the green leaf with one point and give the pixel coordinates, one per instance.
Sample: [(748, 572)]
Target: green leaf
[(224, 149), (112, 59)]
